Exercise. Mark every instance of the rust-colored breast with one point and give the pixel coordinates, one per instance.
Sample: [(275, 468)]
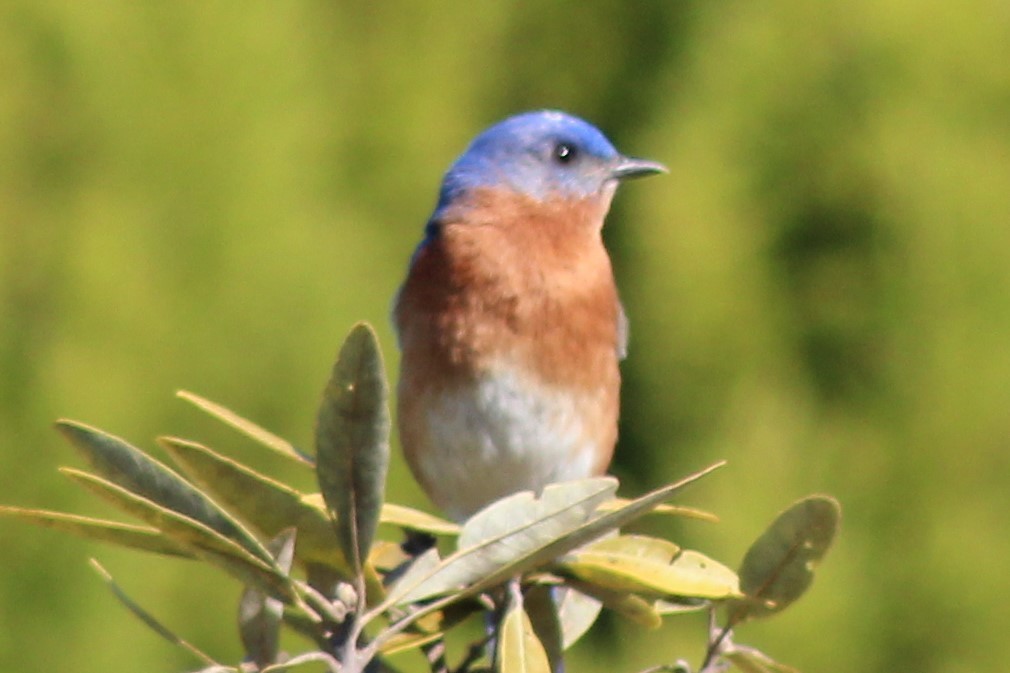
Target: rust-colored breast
[(514, 281)]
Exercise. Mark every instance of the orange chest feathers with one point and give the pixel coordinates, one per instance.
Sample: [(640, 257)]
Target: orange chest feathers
[(528, 288)]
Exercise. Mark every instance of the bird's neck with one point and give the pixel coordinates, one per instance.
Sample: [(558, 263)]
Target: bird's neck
[(554, 233)]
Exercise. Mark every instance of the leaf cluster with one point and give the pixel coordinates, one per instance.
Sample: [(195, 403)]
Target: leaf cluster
[(543, 565)]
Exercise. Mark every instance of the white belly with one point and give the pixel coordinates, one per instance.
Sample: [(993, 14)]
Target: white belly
[(505, 435)]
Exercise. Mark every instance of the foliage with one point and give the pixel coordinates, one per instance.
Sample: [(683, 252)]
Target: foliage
[(210, 193), (543, 566)]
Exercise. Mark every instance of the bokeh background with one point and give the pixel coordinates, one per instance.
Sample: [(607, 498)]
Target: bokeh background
[(208, 195)]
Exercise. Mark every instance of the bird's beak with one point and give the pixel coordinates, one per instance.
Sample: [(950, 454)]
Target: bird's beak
[(628, 167)]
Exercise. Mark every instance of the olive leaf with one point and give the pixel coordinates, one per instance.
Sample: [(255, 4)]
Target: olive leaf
[(779, 567), (133, 470), (519, 650), (142, 538), (352, 442), (652, 567), (246, 427)]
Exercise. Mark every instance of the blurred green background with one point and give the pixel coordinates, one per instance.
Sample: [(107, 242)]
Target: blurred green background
[(208, 195)]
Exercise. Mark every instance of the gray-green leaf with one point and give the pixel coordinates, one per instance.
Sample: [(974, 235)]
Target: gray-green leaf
[(541, 606), (519, 650), (198, 538), (352, 442), (135, 471), (510, 536), (266, 504), (149, 620), (143, 538), (779, 567), (246, 427)]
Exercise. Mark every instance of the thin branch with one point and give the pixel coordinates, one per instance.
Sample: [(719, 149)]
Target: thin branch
[(710, 665), (322, 606), (331, 664)]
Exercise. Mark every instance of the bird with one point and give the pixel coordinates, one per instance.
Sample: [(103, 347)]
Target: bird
[(509, 322)]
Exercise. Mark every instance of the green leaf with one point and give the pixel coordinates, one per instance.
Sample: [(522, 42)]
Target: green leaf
[(266, 504), (247, 428), (260, 615), (519, 650), (398, 515), (420, 569), (520, 532), (142, 538), (629, 606), (201, 540), (147, 618), (650, 566), (403, 642), (135, 471), (577, 612), (666, 510), (510, 536), (542, 611), (352, 442), (779, 567), (614, 519), (414, 519)]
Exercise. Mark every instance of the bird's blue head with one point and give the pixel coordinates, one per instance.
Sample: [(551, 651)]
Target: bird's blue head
[(544, 154)]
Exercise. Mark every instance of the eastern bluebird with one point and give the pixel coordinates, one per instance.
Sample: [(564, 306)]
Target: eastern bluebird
[(509, 320)]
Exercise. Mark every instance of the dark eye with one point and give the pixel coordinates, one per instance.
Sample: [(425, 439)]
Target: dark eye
[(565, 153)]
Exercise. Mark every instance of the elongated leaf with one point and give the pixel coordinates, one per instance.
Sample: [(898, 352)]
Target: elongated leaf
[(577, 612), (507, 536), (519, 650), (400, 516), (650, 566), (628, 605), (196, 537), (420, 570), (260, 614), (268, 505), (541, 608), (557, 510), (247, 428), (142, 538), (614, 519), (511, 536), (352, 442), (779, 567), (667, 510), (135, 471), (403, 642), (146, 617), (413, 519)]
